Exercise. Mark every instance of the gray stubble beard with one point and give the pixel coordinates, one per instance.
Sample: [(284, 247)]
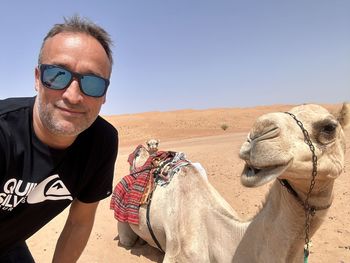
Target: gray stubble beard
[(46, 117)]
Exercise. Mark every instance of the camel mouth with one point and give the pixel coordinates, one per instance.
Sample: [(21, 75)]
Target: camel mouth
[(255, 176)]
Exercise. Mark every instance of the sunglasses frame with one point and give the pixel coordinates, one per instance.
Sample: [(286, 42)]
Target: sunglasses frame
[(75, 75)]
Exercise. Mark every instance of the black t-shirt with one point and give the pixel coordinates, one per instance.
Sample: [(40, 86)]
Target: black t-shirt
[(38, 182)]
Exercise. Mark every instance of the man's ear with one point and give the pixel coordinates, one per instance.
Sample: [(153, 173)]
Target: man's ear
[(104, 99), (37, 78)]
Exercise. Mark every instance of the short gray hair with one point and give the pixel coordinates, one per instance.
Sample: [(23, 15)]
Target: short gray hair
[(76, 24)]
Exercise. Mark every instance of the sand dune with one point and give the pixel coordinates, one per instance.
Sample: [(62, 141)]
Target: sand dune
[(200, 135)]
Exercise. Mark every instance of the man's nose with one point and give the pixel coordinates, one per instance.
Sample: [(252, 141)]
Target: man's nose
[(73, 93)]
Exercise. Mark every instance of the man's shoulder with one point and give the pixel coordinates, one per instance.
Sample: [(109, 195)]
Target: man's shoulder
[(102, 132), (103, 125), (101, 139), (15, 104)]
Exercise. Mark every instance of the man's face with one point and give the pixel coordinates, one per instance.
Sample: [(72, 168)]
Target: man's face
[(68, 112)]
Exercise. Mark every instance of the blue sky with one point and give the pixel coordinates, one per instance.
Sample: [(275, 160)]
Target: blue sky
[(195, 54)]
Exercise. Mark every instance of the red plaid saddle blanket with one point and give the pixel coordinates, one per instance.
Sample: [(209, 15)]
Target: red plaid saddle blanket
[(133, 189)]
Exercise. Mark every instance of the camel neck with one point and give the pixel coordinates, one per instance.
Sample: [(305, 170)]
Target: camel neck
[(225, 225), (321, 196), (278, 231)]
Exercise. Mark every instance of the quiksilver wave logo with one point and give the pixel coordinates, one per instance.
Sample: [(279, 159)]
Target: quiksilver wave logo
[(17, 191)]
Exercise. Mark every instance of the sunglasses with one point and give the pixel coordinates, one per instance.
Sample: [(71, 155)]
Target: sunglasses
[(59, 78)]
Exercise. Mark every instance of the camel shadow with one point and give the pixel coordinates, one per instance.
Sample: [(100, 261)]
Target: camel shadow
[(141, 248)]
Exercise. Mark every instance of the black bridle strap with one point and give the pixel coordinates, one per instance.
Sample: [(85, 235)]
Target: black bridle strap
[(309, 210), (286, 184), (290, 190), (149, 223)]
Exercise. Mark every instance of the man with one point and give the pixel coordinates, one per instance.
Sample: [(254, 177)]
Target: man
[(54, 148)]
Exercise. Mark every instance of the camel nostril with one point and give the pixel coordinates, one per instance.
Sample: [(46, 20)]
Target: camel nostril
[(244, 152), (266, 134)]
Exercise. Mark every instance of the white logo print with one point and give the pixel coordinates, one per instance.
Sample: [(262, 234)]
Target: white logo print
[(52, 188), (14, 192)]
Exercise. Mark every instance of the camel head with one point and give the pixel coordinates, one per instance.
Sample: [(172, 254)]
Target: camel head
[(276, 145), (152, 145)]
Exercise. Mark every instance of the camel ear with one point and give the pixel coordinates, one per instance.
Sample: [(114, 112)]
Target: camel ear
[(344, 115)]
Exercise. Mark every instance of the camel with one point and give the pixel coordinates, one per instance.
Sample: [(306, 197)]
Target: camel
[(152, 145), (193, 223)]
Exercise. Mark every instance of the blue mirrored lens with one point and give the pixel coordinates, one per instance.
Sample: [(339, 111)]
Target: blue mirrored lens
[(55, 77), (93, 85)]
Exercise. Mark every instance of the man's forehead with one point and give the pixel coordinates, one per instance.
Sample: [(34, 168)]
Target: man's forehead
[(71, 48)]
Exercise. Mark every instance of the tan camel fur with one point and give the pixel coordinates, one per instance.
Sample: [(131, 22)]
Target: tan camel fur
[(276, 149), (193, 223)]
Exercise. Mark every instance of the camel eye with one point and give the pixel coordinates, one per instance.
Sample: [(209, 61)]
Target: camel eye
[(329, 128), (327, 132)]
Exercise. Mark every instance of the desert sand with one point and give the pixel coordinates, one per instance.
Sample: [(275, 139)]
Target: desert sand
[(199, 134)]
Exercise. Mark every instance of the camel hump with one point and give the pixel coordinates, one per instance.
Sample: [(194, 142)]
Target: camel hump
[(201, 170)]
